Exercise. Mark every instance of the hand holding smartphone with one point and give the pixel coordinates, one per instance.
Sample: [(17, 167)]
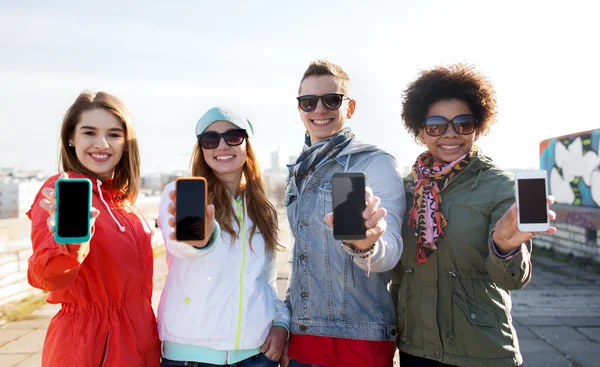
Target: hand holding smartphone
[(348, 195), (528, 216), (73, 217), (190, 209), (531, 197)]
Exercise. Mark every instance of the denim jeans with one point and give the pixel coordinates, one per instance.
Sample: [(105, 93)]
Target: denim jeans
[(259, 360), (408, 360), (298, 364)]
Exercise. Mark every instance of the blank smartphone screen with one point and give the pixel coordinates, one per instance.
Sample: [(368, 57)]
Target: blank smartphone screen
[(73, 209), (348, 206), (532, 200), (190, 210)]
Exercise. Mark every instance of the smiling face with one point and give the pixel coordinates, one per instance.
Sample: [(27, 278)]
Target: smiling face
[(99, 141), (450, 146), (322, 123), (225, 160)]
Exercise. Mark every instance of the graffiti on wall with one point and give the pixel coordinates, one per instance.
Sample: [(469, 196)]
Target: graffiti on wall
[(577, 216), (573, 166)]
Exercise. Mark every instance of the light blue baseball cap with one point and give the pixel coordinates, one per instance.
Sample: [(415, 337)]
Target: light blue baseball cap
[(222, 113)]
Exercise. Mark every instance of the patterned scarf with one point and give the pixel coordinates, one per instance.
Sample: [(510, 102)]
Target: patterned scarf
[(430, 178), (313, 157)]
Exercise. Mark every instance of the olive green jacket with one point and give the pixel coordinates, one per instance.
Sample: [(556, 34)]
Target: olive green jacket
[(455, 308)]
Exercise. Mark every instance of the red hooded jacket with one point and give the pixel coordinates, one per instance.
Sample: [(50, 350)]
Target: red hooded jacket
[(105, 288)]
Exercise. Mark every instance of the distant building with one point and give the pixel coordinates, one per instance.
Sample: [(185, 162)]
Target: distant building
[(153, 184), (5, 172), (573, 166), (8, 172), (16, 196), (275, 159), (275, 177)]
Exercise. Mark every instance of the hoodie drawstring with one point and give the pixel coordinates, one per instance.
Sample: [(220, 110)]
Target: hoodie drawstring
[(121, 228), (474, 185)]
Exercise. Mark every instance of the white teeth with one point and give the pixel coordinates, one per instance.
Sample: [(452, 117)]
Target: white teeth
[(450, 146), (321, 122), (100, 156), (223, 157)]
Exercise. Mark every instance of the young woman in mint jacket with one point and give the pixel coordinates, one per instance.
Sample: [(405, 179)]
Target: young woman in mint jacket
[(220, 304)]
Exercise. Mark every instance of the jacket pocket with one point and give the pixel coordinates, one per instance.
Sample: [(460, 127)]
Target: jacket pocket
[(475, 312), (105, 350), (478, 332)]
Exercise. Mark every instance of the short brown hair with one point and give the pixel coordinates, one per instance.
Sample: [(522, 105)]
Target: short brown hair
[(459, 81), (126, 176), (324, 67)]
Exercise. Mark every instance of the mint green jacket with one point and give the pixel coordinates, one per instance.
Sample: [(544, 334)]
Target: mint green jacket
[(455, 308)]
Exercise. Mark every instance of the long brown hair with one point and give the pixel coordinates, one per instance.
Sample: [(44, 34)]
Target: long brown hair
[(126, 174), (260, 210)]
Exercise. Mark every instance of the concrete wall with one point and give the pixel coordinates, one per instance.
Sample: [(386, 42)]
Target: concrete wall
[(573, 166)]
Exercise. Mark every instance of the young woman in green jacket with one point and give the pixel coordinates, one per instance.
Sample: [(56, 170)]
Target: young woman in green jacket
[(462, 252)]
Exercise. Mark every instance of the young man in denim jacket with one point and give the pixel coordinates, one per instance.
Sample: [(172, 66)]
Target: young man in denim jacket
[(342, 311)]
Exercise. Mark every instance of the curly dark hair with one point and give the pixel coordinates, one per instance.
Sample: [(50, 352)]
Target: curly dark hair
[(459, 81)]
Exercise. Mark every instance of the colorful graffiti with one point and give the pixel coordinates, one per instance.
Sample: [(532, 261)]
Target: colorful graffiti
[(573, 166), (577, 216)]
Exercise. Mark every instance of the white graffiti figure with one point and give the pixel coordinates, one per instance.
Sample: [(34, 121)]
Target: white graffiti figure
[(574, 164)]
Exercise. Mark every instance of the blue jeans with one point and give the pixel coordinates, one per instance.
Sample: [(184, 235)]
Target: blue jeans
[(408, 360), (259, 360), (298, 364)]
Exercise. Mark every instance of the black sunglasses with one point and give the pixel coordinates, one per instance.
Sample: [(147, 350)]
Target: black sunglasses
[(211, 139), (462, 124), (331, 101)]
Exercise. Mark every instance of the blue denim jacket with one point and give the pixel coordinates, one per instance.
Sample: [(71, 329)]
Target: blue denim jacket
[(329, 293)]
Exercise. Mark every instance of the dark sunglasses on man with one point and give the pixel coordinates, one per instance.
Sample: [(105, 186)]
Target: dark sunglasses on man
[(462, 124), (233, 137), (331, 101)]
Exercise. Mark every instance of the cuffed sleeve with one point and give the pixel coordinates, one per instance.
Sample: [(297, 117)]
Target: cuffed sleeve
[(282, 316), (512, 272)]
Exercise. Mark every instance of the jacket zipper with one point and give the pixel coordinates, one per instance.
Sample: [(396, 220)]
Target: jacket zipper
[(453, 275), (105, 352), (411, 272), (137, 247), (243, 230)]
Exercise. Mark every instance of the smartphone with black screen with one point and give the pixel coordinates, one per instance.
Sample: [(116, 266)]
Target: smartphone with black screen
[(190, 208), (73, 207), (348, 196)]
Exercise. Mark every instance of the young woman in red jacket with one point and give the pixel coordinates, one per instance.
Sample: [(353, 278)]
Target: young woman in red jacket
[(104, 285)]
